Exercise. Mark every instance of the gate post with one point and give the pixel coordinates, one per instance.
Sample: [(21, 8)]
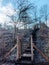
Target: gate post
[(18, 48)]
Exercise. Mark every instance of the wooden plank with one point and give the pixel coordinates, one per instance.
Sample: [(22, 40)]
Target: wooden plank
[(26, 55), (46, 58)]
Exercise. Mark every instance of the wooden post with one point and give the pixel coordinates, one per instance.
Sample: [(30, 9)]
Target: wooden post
[(18, 48), (32, 49)]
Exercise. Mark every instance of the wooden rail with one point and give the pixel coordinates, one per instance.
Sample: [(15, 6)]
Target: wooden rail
[(18, 46), (7, 54), (34, 46), (46, 58)]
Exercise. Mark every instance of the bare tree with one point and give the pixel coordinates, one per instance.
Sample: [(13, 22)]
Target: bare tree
[(24, 7)]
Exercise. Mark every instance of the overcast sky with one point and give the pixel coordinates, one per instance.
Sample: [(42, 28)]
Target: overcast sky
[(7, 6)]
